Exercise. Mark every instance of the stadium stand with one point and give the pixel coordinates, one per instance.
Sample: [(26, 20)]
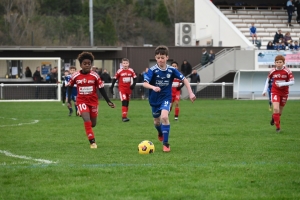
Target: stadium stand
[(267, 19)]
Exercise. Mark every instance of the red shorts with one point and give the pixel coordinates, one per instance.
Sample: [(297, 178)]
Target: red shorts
[(93, 110), (125, 96), (279, 99), (176, 96)]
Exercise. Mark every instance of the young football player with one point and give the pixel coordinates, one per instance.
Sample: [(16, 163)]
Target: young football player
[(282, 79), (158, 80), (72, 70), (176, 87), (126, 78), (87, 99)]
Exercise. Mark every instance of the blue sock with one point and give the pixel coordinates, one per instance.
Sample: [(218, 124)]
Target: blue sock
[(165, 130), (70, 109), (75, 109), (158, 128)]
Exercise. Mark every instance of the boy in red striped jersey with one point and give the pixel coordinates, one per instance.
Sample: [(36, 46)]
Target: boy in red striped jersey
[(126, 81), (88, 82), (176, 87), (282, 79)]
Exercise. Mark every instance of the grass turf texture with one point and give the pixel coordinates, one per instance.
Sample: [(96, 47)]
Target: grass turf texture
[(220, 149)]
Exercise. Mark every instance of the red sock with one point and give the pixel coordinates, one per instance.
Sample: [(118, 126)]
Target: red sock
[(124, 111), (88, 130), (276, 117), (176, 112)]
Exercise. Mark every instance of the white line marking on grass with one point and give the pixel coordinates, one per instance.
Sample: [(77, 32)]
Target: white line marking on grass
[(19, 124), (7, 153)]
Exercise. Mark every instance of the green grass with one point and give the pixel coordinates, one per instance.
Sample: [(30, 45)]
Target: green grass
[(220, 149)]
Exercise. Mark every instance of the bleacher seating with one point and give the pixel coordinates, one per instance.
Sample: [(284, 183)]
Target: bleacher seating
[(267, 21)]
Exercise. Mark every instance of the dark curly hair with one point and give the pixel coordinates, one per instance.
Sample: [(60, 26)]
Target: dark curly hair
[(85, 55)]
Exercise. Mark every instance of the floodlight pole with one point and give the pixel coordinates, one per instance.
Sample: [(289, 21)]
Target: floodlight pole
[(91, 23)]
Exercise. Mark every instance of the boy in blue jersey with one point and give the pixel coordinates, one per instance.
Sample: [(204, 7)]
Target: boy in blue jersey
[(74, 91), (158, 80)]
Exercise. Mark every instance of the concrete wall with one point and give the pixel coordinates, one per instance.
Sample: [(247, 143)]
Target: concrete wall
[(210, 21)]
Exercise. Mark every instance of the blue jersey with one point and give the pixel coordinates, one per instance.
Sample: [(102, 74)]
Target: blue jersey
[(163, 79), (74, 89)]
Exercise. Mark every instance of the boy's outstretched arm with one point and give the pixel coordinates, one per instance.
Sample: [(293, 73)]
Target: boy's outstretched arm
[(103, 93), (188, 87)]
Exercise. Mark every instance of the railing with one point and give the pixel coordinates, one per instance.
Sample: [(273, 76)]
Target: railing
[(52, 92), (231, 7), (218, 55)]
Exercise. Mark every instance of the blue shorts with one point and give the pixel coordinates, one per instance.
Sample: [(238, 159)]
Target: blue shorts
[(156, 110), (73, 97)]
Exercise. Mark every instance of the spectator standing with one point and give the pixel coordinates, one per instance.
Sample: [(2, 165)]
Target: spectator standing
[(253, 33), (297, 6), (186, 68), (53, 79), (37, 78), (270, 46), (205, 57), (28, 73), (212, 56), (195, 78), (105, 77), (94, 69), (290, 10), (278, 35)]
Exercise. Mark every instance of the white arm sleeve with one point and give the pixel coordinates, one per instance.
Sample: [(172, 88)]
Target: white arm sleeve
[(266, 86), (286, 83)]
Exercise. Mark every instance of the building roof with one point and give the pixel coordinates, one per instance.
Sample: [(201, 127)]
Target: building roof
[(59, 48)]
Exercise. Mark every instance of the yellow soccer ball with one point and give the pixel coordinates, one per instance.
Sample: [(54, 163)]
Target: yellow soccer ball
[(146, 147)]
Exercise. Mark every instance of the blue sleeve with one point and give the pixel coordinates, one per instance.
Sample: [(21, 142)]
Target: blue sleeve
[(148, 75), (178, 75)]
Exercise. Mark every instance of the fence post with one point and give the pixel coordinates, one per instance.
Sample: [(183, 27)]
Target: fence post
[(1, 93), (223, 90)]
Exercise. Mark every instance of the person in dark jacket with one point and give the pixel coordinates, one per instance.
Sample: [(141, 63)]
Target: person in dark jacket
[(212, 56), (53, 79), (297, 6), (186, 68), (195, 78), (204, 57), (105, 76), (290, 9), (28, 73), (37, 78), (270, 46), (278, 35)]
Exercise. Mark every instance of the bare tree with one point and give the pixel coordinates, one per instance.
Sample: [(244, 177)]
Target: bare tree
[(18, 14)]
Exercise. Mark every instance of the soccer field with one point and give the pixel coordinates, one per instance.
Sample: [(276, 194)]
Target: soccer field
[(220, 149)]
